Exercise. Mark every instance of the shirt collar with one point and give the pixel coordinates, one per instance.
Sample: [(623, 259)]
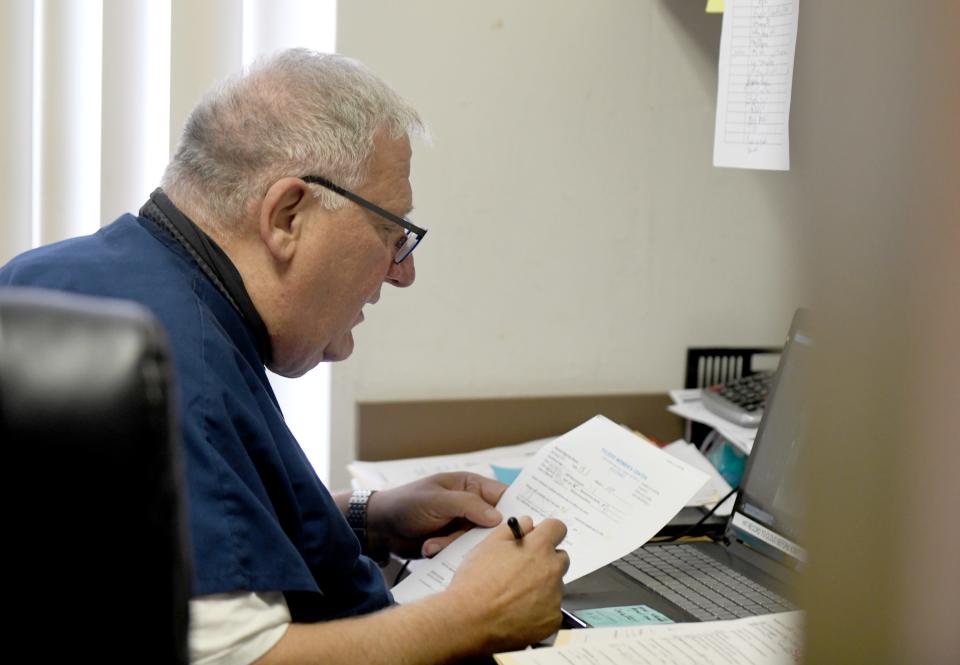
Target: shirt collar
[(212, 260)]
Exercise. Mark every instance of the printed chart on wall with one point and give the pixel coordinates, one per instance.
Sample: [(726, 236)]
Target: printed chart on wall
[(757, 48)]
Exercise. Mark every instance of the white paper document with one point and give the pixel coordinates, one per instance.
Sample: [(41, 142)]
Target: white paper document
[(487, 463), (684, 395), (613, 489), (715, 489), (771, 639), (693, 409), (757, 46)]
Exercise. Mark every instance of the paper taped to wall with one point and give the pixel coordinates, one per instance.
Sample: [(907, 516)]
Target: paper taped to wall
[(757, 49)]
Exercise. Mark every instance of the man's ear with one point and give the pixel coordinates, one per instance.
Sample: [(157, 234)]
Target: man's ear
[(279, 223)]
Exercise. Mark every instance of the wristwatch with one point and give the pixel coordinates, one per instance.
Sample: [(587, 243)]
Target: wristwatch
[(357, 519)]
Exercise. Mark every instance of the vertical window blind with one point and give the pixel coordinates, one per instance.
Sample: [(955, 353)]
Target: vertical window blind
[(95, 93)]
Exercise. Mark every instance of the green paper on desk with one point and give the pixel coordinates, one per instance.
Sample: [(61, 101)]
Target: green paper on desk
[(627, 615)]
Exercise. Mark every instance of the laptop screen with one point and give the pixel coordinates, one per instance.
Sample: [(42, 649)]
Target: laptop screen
[(767, 515)]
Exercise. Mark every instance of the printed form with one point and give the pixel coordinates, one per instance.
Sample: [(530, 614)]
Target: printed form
[(757, 46), (771, 639), (613, 489)]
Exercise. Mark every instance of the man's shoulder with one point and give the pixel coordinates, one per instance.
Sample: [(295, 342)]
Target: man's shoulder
[(116, 252), (131, 260), (124, 241), (121, 261)]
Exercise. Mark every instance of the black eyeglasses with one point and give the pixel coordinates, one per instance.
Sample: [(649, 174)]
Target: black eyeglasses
[(413, 234)]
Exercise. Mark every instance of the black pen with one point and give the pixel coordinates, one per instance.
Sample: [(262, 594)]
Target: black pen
[(515, 527)]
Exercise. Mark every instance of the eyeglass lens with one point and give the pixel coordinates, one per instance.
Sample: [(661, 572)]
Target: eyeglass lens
[(411, 241)]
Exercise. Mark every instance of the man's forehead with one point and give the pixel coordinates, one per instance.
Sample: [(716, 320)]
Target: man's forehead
[(388, 170), (392, 153)]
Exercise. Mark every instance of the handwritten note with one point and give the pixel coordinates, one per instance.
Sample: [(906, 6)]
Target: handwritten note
[(757, 47), (613, 489)]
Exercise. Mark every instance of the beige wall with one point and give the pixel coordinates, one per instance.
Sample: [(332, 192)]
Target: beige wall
[(580, 239), (574, 145)]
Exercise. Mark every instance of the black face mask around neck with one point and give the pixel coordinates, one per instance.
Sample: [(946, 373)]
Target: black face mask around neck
[(212, 260)]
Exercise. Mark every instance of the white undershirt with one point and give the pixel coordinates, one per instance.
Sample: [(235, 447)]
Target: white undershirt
[(236, 628)]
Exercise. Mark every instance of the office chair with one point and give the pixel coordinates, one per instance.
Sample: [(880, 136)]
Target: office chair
[(97, 564)]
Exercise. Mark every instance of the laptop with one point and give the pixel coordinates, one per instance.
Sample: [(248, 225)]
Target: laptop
[(752, 568)]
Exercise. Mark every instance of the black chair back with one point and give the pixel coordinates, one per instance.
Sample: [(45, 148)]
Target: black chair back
[(96, 527)]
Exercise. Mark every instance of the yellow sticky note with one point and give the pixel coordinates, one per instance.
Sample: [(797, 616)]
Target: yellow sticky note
[(715, 6)]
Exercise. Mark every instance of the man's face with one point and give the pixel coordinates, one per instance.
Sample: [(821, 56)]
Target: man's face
[(348, 256)]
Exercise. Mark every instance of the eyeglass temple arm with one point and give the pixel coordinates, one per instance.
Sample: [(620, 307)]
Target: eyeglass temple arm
[(323, 182)]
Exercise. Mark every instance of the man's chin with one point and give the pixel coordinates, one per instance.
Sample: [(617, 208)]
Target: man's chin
[(298, 364), (340, 349), (294, 371)]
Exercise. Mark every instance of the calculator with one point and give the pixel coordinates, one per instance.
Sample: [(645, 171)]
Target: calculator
[(740, 401)]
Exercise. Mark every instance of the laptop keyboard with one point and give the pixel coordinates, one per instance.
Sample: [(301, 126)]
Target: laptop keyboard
[(700, 584)]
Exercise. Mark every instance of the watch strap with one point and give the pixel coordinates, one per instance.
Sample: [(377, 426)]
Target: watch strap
[(357, 509)]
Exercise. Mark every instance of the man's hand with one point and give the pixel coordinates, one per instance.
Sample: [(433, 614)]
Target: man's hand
[(511, 589), (505, 595), (423, 517)]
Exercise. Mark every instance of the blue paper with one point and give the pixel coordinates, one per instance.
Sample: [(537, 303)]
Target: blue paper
[(504, 474)]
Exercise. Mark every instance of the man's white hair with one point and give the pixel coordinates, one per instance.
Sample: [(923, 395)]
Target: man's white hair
[(294, 113)]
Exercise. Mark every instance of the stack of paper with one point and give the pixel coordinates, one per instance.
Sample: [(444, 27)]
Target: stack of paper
[(503, 463), (772, 639), (689, 404), (715, 489), (612, 489)]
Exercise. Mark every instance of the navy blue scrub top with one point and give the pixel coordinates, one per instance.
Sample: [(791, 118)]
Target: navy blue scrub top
[(260, 519)]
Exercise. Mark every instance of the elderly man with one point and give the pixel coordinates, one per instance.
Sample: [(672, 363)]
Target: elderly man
[(280, 217)]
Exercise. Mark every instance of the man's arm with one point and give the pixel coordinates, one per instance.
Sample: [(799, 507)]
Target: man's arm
[(431, 631), (505, 595)]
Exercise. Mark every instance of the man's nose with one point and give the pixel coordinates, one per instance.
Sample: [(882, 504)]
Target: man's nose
[(402, 274)]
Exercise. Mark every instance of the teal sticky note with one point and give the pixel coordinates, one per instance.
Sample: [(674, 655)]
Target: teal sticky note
[(627, 615), (504, 474)]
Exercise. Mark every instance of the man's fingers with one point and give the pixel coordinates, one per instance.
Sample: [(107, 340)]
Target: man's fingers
[(471, 496), (565, 558), (504, 532), (472, 507), (490, 490), (552, 530), (433, 546), (526, 523)]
